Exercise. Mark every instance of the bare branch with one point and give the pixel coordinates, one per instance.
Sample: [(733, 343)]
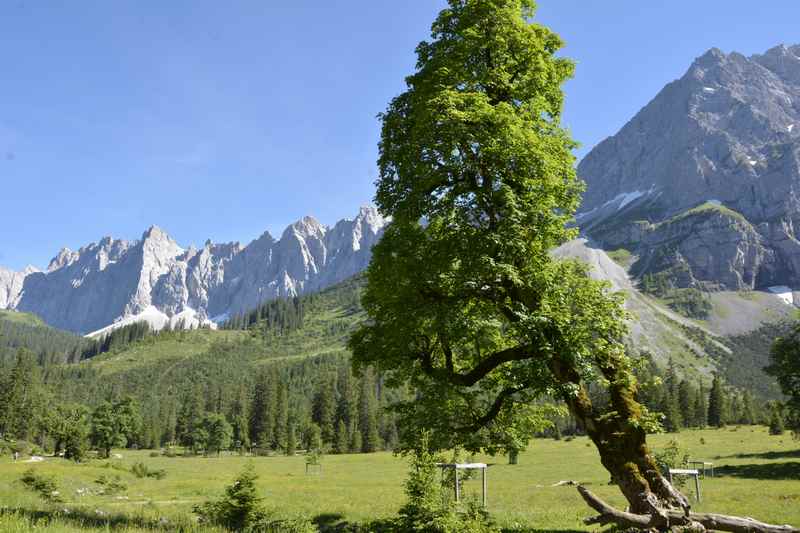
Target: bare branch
[(694, 521)]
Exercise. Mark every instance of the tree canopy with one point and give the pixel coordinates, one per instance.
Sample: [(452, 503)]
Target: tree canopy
[(478, 176), (465, 300), (785, 366)]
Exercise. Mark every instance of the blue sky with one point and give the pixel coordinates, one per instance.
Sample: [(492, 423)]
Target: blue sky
[(224, 119)]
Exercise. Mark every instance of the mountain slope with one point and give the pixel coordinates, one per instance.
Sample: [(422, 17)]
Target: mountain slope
[(116, 282), (733, 340), (24, 330), (173, 361), (703, 184)]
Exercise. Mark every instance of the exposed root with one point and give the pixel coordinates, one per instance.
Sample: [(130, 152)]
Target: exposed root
[(676, 520)]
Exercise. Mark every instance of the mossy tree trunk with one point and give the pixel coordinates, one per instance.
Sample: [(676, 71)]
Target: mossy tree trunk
[(620, 439)]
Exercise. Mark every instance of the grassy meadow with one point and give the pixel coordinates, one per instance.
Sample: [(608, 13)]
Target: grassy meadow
[(756, 475)]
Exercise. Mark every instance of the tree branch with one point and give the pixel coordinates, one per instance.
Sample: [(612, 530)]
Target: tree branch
[(706, 521), (493, 411), (468, 379)]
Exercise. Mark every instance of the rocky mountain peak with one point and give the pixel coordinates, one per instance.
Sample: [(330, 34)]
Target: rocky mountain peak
[(370, 216), (722, 140), (64, 258), (782, 60), (114, 282), (307, 226)]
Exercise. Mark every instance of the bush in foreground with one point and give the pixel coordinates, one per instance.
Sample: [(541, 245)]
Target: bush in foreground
[(44, 486), (241, 509), (429, 508), (141, 470)]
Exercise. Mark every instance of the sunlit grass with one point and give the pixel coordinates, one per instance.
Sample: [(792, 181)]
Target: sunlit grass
[(757, 475)]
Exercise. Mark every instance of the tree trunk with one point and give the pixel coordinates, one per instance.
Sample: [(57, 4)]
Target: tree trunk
[(621, 441), (654, 504)]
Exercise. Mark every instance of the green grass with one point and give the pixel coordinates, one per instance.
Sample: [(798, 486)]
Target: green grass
[(706, 208), (21, 318), (757, 475), (171, 347), (622, 257)]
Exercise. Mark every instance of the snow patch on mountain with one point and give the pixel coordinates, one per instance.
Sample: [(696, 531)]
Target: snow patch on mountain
[(784, 293), (186, 319), (115, 282)]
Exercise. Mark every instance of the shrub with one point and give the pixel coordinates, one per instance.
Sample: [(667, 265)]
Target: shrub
[(141, 470), (429, 508), (241, 509), (45, 486), (776, 426), (672, 456), (111, 486)]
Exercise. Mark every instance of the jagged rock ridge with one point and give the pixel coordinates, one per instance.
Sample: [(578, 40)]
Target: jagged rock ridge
[(704, 182), (113, 282)]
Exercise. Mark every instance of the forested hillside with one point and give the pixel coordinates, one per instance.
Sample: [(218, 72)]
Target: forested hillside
[(50, 345), (280, 376)]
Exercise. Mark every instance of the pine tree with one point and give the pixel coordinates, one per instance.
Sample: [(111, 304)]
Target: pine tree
[(735, 412), (700, 407), (342, 444), (356, 443), (263, 410), (313, 438), (291, 439), (170, 421), (239, 422), (686, 399), (324, 410), (190, 417), (671, 379), (391, 437), (22, 403), (368, 415), (281, 432), (748, 414), (776, 426), (673, 421), (716, 404), (347, 404)]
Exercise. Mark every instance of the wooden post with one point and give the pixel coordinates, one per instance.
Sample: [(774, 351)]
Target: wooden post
[(483, 470), (458, 489)]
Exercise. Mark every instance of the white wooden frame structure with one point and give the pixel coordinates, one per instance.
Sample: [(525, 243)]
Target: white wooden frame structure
[(687, 472), (705, 465), (467, 466)]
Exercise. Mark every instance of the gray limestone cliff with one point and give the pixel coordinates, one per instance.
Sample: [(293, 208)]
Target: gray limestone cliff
[(116, 281), (704, 182)]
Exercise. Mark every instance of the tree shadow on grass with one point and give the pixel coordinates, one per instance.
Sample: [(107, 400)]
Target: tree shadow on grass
[(784, 454), (534, 530), (789, 470), (89, 519), (334, 523)]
